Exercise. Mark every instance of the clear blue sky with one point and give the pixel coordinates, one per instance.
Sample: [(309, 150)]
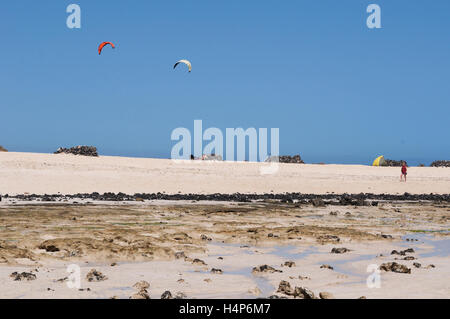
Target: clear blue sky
[(338, 91)]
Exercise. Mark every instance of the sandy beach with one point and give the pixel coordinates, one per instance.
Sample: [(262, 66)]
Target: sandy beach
[(69, 174), (202, 249)]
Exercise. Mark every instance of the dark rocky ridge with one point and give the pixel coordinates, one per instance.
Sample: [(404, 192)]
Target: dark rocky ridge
[(78, 150), (2, 149), (440, 164), (393, 163), (296, 159), (362, 199)]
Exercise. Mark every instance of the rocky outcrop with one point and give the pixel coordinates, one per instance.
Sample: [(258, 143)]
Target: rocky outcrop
[(23, 276), (78, 150), (296, 159), (362, 199), (264, 268), (394, 267), (440, 164), (2, 149), (95, 275), (393, 163)]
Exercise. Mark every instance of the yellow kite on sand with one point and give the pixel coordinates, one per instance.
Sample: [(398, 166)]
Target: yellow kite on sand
[(379, 161)]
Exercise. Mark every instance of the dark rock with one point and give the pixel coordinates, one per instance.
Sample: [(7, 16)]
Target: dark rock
[(23, 276), (394, 267), (304, 293), (95, 275), (166, 295), (296, 159), (417, 265), (440, 164), (285, 288), (204, 237), (78, 150), (49, 248), (339, 250), (402, 252), (197, 261), (265, 268), (289, 264), (326, 267), (393, 163)]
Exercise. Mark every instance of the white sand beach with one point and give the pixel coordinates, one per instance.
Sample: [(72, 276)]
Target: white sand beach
[(69, 174)]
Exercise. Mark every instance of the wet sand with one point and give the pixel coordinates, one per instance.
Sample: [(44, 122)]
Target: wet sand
[(144, 239)]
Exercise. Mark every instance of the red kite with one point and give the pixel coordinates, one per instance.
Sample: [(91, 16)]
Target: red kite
[(100, 47)]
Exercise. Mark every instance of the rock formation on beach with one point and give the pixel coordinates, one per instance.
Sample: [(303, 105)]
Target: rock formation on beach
[(440, 164), (296, 159), (78, 150), (393, 163), (2, 149)]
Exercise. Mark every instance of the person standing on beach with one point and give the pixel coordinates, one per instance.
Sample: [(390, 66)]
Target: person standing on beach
[(404, 171)]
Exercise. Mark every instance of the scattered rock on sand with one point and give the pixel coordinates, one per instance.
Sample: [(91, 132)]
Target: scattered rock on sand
[(23, 276), (326, 267), (339, 250), (197, 261), (204, 237), (48, 248), (417, 265), (289, 264), (409, 258), (95, 275), (167, 295), (326, 295), (402, 252), (303, 293), (216, 271), (285, 288), (394, 267), (265, 268)]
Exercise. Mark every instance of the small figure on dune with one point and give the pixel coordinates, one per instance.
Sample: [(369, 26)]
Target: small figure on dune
[(404, 171)]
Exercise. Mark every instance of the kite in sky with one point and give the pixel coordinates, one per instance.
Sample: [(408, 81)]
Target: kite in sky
[(185, 62), (101, 46)]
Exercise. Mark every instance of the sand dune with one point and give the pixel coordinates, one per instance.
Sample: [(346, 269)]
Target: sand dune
[(68, 174)]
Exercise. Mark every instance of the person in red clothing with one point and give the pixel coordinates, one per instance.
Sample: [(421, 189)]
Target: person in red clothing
[(404, 171)]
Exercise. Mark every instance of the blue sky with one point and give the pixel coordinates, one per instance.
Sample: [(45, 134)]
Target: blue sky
[(338, 91)]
